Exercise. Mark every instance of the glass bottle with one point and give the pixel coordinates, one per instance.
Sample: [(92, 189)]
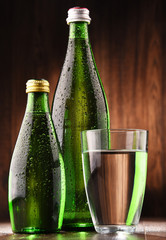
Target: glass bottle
[(79, 104), (36, 176)]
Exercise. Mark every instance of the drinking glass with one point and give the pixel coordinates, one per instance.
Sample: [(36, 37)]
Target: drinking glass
[(115, 170)]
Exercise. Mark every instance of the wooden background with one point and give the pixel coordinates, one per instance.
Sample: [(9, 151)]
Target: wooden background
[(128, 39)]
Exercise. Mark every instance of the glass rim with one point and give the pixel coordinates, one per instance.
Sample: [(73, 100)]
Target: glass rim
[(116, 130)]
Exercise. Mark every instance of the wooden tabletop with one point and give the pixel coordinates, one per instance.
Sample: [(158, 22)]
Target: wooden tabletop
[(147, 229)]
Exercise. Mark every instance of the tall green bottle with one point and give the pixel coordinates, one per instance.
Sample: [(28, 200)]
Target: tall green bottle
[(36, 175), (79, 104)]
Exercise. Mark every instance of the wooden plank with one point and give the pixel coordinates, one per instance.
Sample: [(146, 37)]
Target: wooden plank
[(149, 229)]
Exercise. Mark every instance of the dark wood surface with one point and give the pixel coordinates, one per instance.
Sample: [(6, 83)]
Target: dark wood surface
[(129, 43), (147, 229)]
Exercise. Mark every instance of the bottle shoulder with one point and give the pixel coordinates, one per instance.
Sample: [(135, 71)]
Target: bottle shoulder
[(79, 57), (79, 93), (37, 134)]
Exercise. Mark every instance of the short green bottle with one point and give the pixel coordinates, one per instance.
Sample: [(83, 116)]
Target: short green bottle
[(79, 104), (36, 176)]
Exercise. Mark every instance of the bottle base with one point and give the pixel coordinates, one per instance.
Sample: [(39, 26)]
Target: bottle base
[(78, 227), (105, 229)]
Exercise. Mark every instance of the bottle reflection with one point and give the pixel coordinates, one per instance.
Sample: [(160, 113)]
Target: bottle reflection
[(58, 236)]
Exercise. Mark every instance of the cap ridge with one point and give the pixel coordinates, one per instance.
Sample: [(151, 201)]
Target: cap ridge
[(78, 14)]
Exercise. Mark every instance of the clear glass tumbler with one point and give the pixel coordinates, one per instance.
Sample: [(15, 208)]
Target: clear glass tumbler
[(115, 170)]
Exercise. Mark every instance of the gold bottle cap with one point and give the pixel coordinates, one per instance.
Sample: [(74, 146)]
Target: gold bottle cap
[(40, 85)]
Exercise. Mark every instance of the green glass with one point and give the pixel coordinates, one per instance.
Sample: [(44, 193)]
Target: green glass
[(79, 104), (36, 176)]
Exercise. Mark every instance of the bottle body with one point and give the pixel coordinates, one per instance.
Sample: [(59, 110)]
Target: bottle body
[(79, 104), (36, 176)]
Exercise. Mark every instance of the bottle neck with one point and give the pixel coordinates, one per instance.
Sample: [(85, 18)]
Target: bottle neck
[(78, 30), (37, 102)]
